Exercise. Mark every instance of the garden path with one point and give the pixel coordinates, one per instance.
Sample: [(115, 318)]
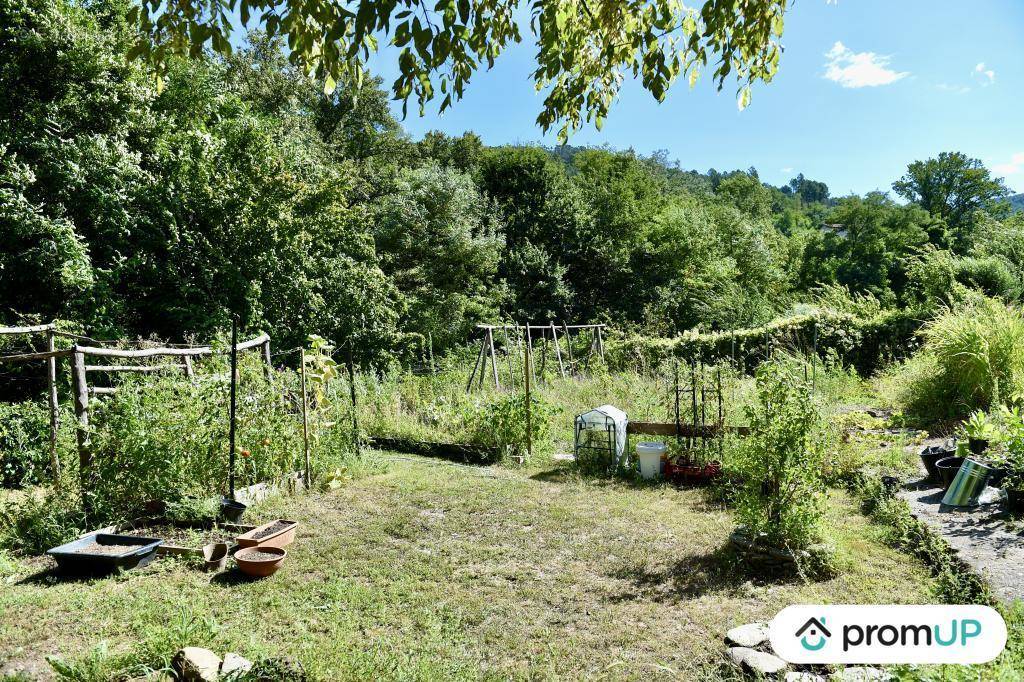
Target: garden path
[(984, 537)]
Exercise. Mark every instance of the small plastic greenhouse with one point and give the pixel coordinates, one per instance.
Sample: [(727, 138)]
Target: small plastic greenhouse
[(600, 438)]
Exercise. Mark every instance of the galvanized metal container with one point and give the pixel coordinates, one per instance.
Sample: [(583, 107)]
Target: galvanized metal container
[(968, 484)]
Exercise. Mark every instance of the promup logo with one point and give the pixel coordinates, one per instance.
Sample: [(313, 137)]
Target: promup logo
[(815, 632), (888, 634)]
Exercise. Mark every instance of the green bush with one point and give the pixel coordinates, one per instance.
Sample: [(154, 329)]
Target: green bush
[(24, 444), (167, 438), (501, 422), (34, 523), (973, 356), (779, 466)]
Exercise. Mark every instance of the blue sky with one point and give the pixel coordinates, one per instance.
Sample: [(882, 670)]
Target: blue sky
[(864, 88)]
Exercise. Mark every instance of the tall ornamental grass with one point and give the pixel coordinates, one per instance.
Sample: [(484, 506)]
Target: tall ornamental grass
[(972, 358)]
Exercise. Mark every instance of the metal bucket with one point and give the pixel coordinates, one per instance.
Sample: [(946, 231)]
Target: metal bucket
[(968, 484)]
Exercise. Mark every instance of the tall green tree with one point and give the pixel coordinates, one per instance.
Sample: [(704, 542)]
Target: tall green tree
[(954, 187), (437, 239)]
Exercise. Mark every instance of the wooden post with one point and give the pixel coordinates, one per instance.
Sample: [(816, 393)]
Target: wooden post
[(479, 355), (267, 359), (568, 344), (81, 389), (558, 351), (544, 355), (355, 406), (529, 411), (305, 419), (51, 381), (232, 405), (494, 358), (508, 357), (430, 340), (190, 371), (600, 342), (529, 350)]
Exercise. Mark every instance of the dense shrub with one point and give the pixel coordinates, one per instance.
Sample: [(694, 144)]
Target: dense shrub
[(973, 355), (34, 523), (780, 465), (167, 438), (24, 443)]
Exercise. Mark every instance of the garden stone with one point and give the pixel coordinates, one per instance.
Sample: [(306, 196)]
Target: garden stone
[(195, 664), (757, 662), (235, 664), (803, 677), (750, 635), (860, 674)]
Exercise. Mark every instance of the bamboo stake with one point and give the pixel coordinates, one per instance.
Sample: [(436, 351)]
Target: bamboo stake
[(305, 418), (51, 384)]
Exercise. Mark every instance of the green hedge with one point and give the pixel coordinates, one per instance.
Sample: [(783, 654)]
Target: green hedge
[(865, 344)]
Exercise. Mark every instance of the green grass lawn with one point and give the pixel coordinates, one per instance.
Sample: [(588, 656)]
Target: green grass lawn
[(427, 570)]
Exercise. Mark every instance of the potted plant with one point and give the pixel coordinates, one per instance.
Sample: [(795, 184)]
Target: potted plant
[(981, 430), (1012, 460)]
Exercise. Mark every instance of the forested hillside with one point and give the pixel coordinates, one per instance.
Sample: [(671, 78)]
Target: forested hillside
[(240, 187)]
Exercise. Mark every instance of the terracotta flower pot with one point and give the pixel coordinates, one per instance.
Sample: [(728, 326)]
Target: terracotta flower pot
[(259, 562), (277, 533), (216, 556)]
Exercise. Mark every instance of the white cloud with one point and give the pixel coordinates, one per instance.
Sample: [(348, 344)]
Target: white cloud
[(859, 69), (986, 76), (1016, 165), (787, 169), (955, 89)]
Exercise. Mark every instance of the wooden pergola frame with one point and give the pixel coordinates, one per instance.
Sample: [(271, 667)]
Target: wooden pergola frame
[(522, 331)]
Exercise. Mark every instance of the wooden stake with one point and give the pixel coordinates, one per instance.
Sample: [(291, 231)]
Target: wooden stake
[(51, 382), (479, 355), (558, 351), (529, 415), (355, 406), (266, 359), (568, 344), (190, 371), (529, 351), (430, 340), (232, 405), (600, 343), (494, 358), (305, 418), (508, 357), (81, 390)]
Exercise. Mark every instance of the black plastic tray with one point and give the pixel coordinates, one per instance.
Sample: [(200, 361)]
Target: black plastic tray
[(70, 559)]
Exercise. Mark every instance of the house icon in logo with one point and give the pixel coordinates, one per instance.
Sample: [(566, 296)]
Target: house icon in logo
[(814, 628)]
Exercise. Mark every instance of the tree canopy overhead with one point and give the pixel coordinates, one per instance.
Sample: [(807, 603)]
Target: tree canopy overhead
[(585, 48)]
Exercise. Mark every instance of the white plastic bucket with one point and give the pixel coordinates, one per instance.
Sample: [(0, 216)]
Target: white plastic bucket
[(649, 455)]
